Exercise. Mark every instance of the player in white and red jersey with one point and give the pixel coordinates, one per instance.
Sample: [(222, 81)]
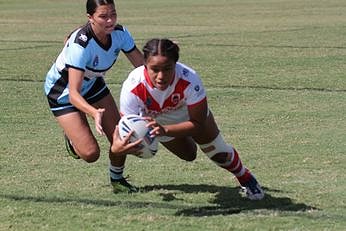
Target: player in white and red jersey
[(173, 98), (167, 106)]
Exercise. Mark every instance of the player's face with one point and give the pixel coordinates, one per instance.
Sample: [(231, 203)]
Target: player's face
[(104, 19), (161, 71)]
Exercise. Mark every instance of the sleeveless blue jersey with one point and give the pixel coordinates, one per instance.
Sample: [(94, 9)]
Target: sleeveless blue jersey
[(83, 51)]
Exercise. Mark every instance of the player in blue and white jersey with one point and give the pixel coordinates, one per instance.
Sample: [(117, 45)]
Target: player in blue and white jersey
[(75, 88)]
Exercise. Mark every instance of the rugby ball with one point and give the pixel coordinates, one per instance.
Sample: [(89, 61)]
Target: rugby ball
[(137, 124)]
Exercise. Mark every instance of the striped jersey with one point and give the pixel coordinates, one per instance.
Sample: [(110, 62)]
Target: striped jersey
[(139, 96), (85, 52)]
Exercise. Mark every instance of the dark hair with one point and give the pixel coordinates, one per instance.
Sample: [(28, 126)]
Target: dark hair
[(91, 5), (164, 47)]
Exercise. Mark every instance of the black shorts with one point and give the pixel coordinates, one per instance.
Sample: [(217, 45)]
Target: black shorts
[(98, 91)]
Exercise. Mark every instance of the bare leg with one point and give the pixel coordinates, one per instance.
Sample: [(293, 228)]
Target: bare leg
[(184, 148), (225, 156), (77, 129), (117, 162), (110, 120)]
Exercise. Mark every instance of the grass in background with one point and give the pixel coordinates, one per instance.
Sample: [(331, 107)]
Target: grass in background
[(274, 73)]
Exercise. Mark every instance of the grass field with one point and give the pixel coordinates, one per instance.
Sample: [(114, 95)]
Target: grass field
[(275, 76)]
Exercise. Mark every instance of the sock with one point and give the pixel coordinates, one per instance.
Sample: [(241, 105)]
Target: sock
[(236, 167), (115, 172)]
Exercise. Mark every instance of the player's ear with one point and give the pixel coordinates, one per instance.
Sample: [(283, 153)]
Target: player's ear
[(90, 18)]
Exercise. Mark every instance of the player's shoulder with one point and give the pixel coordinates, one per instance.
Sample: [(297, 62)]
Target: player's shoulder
[(121, 35), (119, 27), (185, 71), (82, 35), (135, 77), (120, 30), (138, 72)]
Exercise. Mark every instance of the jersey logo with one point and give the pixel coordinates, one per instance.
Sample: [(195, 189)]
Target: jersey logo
[(185, 72), (96, 61), (83, 37), (170, 103), (175, 98)]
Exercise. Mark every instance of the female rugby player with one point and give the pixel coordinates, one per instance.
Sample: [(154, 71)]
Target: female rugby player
[(173, 98), (76, 89)]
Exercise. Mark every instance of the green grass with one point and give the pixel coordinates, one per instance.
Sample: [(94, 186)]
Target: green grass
[(275, 77)]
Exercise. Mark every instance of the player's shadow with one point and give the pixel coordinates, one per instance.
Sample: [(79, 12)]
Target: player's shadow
[(227, 200)]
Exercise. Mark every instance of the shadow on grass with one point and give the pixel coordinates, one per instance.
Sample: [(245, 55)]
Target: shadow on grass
[(73, 200), (227, 200)]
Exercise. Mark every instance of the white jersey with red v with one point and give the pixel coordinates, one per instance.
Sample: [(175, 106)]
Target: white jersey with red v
[(139, 96)]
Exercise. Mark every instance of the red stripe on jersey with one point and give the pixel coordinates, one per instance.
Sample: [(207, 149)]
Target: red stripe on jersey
[(198, 103), (141, 91), (147, 78), (170, 103)]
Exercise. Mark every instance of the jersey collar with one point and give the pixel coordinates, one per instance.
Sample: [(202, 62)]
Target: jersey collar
[(147, 78)]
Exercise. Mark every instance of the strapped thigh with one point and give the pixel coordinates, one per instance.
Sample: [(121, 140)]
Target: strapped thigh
[(218, 145)]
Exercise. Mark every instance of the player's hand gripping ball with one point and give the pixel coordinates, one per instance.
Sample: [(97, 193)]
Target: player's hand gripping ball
[(137, 124)]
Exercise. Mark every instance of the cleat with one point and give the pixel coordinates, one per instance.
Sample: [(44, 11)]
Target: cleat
[(122, 185), (70, 149), (252, 189)]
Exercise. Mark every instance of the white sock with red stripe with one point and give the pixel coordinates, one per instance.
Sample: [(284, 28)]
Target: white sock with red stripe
[(235, 166), (216, 151)]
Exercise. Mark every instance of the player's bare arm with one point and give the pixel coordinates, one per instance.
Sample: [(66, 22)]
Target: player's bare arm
[(135, 57), (198, 115), (75, 83)]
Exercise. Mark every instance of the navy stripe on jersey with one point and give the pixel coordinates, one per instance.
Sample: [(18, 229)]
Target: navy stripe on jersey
[(134, 47), (84, 35), (97, 92), (98, 86), (94, 70), (119, 27), (70, 108), (67, 66), (57, 90), (90, 69)]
